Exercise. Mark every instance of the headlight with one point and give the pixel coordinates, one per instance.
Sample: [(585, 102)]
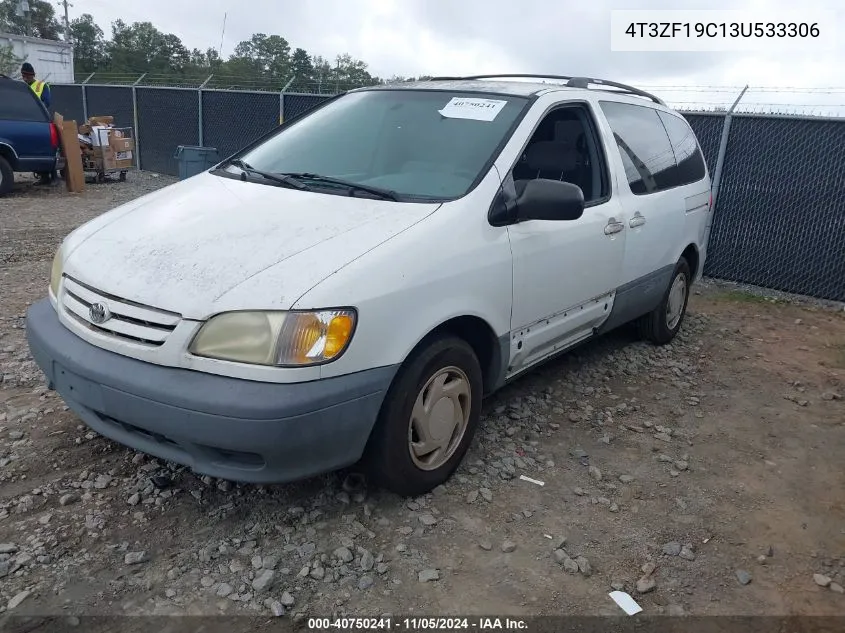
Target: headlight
[(276, 338), (56, 271)]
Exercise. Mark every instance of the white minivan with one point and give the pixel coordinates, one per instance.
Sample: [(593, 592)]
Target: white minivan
[(350, 286)]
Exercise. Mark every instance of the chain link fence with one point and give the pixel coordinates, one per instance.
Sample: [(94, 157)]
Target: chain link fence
[(780, 213)]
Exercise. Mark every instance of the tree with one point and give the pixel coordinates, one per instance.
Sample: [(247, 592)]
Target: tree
[(89, 46), (301, 67), (142, 48), (9, 62), (267, 56), (41, 21)]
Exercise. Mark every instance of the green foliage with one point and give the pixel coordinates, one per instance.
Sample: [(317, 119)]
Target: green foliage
[(9, 62), (263, 61), (41, 21)]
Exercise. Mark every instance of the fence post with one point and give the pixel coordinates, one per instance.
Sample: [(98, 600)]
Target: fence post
[(201, 135), (85, 96), (135, 121), (720, 164), (282, 99)]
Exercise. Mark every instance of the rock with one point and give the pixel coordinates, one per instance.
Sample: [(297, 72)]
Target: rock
[(570, 565), (617, 585), (486, 494), (225, 589), (17, 599), (134, 499), (584, 566), (256, 562), (836, 587), (8, 548), (579, 492), (170, 593), (626, 479), (381, 569), (560, 556), (263, 580), (508, 547), (206, 581), (472, 497), (67, 499), (672, 549), (614, 507), (367, 561), (663, 437), (18, 435), (485, 545), (646, 584), (648, 568), (762, 559), (595, 473), (428, 519), (429, 575), (560, 543), (133, 558), (365, 582), (743, 576), (287, 599), (344, 554), (102, 481), (318, 573), (681, 465), (275, 607), (269, 562), (822, 580), (687, 552), (236, 567)]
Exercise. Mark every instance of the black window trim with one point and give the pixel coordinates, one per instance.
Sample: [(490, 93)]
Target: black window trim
[(657, 112), (482, 174), (595, 137)]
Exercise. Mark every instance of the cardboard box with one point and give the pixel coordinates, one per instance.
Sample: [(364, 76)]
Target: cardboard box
[(121, 143), (100, 120)]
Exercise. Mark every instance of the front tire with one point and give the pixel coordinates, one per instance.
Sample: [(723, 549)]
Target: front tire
[(662, 324), (428, 418)]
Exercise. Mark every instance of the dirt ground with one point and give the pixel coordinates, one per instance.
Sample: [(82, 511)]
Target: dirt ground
[(704, 478)]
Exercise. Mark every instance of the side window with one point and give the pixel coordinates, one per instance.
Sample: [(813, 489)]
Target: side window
[(644, 146), (687, 153), (564, 146), (18, 102)]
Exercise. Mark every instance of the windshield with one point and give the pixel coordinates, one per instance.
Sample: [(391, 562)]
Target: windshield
[(418, 144)]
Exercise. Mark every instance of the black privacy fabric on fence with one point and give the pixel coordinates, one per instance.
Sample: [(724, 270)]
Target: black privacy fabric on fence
[(167, 118), (232, 120), (67, 101), (780, 220), (780, 217)]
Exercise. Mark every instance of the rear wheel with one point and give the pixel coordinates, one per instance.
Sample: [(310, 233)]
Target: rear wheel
[(662, 324), (428, 418), (7, 176)]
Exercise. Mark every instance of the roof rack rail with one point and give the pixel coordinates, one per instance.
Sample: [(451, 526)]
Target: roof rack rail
[(572, 82)]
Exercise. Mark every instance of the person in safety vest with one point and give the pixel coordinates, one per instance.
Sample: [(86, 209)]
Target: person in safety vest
[(40, 88), (42, 91)]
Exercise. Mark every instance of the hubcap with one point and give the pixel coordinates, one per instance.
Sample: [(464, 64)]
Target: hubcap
[(676, 301), (439, 418)]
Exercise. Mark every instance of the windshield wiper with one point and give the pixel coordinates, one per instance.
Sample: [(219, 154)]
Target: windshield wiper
[(282, 179), (385, 194)]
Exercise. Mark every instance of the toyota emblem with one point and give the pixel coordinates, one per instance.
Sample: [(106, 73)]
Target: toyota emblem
[(99, 313)]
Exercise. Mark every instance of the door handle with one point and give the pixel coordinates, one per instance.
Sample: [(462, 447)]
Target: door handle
[(637, 220), (613, 227)]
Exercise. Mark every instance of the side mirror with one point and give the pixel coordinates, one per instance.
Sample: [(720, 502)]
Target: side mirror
[(543, 199)]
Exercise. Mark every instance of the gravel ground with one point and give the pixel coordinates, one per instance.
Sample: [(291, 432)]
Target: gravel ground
[(704, 478)]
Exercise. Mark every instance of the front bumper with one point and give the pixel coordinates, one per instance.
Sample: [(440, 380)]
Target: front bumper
[(230, 428)]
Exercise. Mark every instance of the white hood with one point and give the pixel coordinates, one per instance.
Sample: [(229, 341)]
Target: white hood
[(211, 244)]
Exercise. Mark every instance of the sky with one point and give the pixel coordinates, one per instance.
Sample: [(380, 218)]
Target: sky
[(569, 37)]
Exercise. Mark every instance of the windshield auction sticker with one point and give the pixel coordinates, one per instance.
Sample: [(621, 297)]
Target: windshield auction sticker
[(475, 109)]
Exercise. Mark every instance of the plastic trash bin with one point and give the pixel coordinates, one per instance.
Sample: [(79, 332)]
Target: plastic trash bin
[(194, 160)]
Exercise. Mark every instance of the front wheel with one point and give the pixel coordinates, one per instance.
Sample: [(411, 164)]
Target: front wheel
[(428, 418), (662, 324), (7, 176)]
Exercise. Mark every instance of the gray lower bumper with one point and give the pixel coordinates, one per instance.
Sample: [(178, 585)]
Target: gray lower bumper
[(224, 427)]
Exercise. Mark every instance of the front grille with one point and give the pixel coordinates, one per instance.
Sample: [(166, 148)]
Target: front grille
[(129, 320)]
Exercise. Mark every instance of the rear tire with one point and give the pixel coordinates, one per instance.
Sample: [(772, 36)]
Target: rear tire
[(7, 177), (662, 324), (428, 418)]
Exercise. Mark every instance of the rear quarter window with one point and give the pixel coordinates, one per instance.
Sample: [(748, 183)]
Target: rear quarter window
[(19, 103), (690, 161)]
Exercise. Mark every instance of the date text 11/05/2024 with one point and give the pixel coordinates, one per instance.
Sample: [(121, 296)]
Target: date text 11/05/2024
[(417, 624), (723, 29)]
